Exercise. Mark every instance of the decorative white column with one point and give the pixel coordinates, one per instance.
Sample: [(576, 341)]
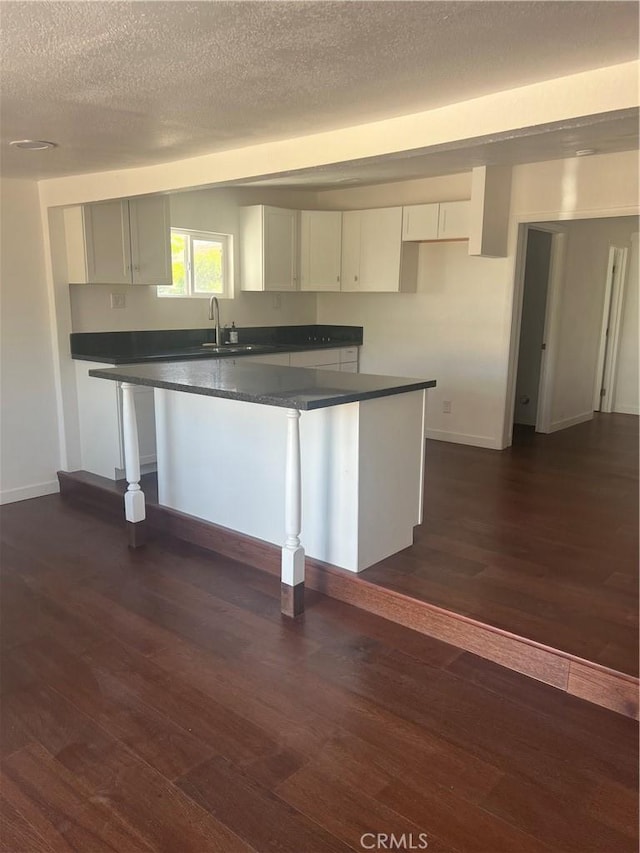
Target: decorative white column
[(134, 506), (292, 578)]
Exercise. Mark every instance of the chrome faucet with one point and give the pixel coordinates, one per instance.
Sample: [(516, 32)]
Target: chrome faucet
[(214, 314)]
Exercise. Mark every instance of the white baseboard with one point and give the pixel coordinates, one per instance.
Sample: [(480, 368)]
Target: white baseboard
[(464, 438), (569, 422), (627, 410), (25, 493)]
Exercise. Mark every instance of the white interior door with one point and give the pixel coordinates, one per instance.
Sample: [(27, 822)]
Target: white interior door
[(610, 333)]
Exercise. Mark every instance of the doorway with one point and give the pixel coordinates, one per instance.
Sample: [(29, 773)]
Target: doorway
[(573, 350), (543, 253), (534, 310)]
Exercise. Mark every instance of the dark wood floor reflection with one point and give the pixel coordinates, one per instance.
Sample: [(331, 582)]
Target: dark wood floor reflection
[(156, 701), (540, 539)]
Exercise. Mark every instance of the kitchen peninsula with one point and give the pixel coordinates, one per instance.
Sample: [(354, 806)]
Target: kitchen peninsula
[(342, 483)]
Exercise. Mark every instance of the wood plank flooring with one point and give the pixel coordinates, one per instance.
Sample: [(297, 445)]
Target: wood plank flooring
[(155, 700), (540, 540)]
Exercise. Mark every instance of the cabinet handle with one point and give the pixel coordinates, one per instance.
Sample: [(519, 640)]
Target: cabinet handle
[(355, 278), (337, 278)]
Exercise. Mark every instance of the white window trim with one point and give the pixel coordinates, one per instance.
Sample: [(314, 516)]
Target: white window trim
[(227, 265)]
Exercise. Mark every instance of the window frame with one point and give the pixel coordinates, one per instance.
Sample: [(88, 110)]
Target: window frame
[(227, 265)]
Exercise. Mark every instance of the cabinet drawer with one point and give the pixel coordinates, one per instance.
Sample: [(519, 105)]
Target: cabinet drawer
[(348, 354), (281, 358), (315, 358)]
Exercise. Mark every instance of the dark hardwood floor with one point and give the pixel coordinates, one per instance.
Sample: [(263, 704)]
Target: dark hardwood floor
[(540, 539), (155, 700)]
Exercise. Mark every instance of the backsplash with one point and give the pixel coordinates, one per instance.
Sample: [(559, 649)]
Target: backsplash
[(91, 309)]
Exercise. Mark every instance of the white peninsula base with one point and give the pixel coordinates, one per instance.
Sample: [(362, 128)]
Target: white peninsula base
[(362, 471)]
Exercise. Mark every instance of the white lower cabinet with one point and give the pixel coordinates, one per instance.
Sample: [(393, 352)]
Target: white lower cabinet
[(100, 421), (343, 358), (100, 407), (338, 358), (281, 358)]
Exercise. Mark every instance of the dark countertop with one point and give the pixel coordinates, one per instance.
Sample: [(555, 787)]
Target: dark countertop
[(186, 344), (289, 387)]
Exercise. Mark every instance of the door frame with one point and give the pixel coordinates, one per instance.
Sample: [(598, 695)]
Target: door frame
[(552, 314), (611, 322)]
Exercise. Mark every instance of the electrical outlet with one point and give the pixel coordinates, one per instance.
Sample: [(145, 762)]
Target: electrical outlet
[(446, 407), (118, 300), (277, 301)]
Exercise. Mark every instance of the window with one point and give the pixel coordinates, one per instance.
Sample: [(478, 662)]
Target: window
[(200, 264)]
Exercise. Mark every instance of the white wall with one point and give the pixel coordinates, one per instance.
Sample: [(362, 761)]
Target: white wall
[(29, 451), (626, 388), (457, 327), (581, 309), (208, 210), (449, 330)]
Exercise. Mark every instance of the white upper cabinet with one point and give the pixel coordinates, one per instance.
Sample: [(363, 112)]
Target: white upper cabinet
[(420, 222), (150, 229), (373, 257), (444, 221), (320, 249), (453, 220), (126, 241), (269, 248)]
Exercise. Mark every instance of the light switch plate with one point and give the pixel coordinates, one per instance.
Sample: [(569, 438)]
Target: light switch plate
[(118, 300)]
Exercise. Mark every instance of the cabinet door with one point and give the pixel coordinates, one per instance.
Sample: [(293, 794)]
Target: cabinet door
[(150, 240), (420, 222), (107, 243), (280, 267), (453, 222), (320, 249), (380, 244), (351, 222)]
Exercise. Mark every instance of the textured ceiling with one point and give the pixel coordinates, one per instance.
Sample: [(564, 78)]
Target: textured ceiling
[(123, 84)]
